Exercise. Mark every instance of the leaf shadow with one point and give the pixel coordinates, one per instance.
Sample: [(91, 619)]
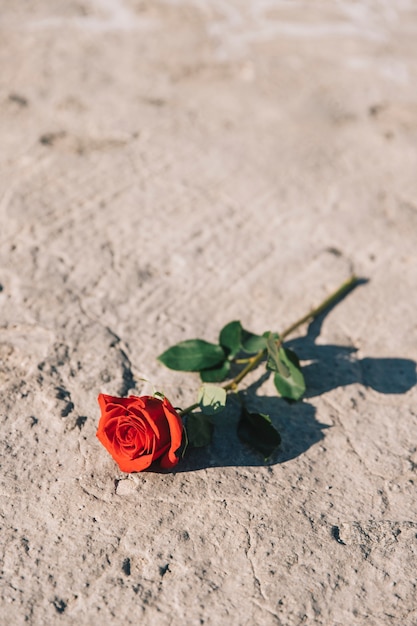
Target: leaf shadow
[(332, 366)]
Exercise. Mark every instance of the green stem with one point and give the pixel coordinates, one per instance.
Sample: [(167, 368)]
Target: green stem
[(334, 297), (254, 361), (329, 301)]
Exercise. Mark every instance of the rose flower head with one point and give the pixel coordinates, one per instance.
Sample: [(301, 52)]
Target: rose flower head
[(137, 431)]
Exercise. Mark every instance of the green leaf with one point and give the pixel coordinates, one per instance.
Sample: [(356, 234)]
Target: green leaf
[(199, 430), (192, 355), (212, 399), (252, 343), (215, 374), (257, 430), (275, 362), (231, 338), (292, 386), (234, 338)]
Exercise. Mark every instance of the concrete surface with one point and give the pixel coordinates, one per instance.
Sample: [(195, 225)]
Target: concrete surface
[(167, 167)]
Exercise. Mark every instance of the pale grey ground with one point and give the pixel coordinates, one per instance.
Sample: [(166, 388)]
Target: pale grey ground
[(167, 167)]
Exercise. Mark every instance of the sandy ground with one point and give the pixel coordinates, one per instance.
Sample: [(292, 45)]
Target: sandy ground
[(166, 167)]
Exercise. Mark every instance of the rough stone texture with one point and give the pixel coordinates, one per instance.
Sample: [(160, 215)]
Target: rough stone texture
[(166, 167)]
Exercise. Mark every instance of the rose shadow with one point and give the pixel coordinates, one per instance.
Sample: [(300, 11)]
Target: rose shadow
[(296, 424)]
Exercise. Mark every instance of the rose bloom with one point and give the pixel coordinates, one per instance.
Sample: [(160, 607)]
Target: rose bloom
[(137, 431)]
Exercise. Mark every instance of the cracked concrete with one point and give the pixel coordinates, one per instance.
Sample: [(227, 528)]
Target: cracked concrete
[(167, 167)]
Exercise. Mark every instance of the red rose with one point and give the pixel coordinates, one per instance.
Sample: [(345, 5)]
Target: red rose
[(138, 431)]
